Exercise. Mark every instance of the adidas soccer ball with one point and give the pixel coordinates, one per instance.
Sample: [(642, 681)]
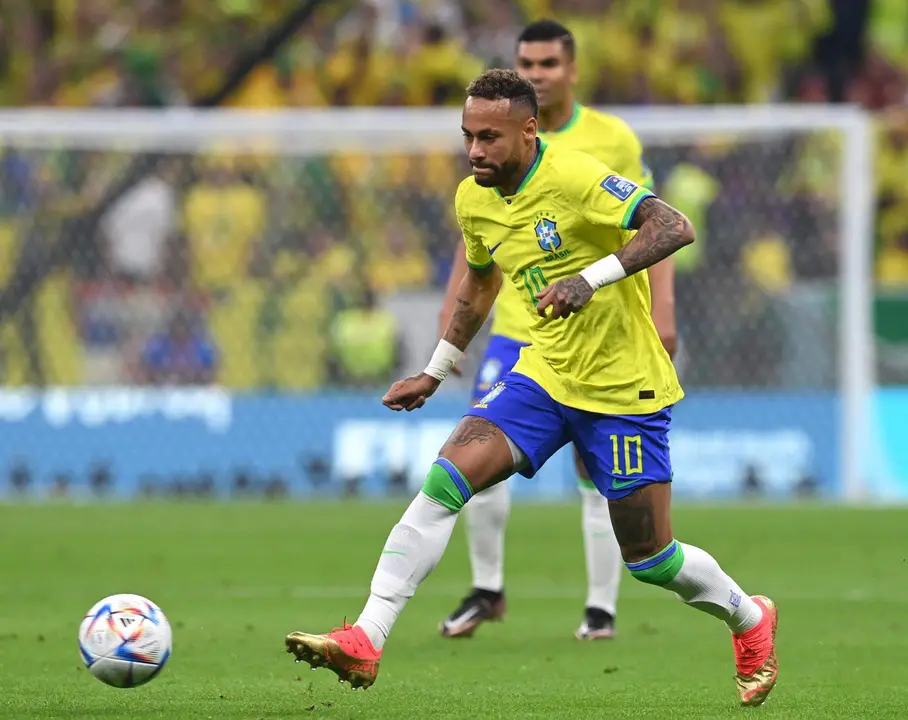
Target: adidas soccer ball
[(125, 640)]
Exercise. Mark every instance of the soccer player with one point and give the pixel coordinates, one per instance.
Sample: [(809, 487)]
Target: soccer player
[(559, 225), (545, 56)]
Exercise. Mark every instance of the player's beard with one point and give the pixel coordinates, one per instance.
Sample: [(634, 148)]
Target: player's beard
[(500, 175)]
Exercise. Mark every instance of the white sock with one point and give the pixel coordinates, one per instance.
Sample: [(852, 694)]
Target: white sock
[(486, 515), (411, 552), (603, 556), (702, 584)]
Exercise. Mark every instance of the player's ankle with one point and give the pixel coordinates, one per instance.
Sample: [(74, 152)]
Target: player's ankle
[(375, 633), (490, 595), (599, 615), (751, 626)]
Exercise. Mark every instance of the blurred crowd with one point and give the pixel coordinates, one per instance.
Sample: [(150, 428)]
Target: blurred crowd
[(266, 271), (422, 52)]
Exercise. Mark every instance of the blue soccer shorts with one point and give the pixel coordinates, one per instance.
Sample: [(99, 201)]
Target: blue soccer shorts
[(620, 452), (501, 355)]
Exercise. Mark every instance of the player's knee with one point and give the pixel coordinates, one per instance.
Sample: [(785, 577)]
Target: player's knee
[(447, 485), (660, 568), (482, 454)]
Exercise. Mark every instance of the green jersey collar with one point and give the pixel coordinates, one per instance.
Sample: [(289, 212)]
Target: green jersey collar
[(541, 145)]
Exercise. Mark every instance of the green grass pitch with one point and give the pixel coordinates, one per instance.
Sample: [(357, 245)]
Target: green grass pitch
[(235, 578)]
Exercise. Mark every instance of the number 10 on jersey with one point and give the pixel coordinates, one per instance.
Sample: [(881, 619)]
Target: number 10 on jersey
[(633, 454), (534, 281)]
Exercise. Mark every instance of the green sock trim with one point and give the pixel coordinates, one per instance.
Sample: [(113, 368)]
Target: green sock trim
[(584, 483), (661, 568), (447, 486)]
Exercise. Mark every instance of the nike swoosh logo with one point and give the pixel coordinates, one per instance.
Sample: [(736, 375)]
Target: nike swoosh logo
[(621, 484), (467, 616), (492, 250)]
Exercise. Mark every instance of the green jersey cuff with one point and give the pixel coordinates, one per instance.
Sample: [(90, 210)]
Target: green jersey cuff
[(481, 267), (633, 204)]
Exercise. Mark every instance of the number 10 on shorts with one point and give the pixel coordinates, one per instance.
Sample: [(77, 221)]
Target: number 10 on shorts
[(633, 454)]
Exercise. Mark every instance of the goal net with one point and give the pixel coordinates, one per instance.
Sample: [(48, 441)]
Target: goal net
[(225, 325)]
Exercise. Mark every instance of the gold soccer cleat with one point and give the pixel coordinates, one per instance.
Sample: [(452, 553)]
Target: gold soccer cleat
[(755, 656), (345, 651)]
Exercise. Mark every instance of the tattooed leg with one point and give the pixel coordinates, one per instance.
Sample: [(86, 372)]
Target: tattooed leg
[(642, 524), (481, 451), (477, 450)]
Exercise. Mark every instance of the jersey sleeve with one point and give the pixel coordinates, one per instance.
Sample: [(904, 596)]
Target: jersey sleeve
[(478, 255), (608, 199)]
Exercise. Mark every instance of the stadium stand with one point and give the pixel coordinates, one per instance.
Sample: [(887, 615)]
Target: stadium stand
[(194, 247)]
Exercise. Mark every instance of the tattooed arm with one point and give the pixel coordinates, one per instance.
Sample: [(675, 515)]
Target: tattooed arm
[(459, 268), (472, 303), (661, 230)]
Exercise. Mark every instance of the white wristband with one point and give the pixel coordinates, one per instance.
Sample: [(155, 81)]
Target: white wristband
[(445, 357), (604, 272)]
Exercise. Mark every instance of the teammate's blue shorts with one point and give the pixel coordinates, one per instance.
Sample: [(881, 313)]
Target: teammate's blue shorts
[(621, 452), (501, 355)]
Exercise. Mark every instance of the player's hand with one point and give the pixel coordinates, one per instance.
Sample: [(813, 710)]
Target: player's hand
[(410, 394), (565, 297)]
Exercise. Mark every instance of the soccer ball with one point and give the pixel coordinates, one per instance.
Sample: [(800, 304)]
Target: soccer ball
[(125, 640)]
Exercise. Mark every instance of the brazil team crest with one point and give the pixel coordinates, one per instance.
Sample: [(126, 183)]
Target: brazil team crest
[(496, 390), (546, 230)]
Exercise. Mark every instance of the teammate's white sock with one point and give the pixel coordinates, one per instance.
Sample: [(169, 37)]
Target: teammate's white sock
[(695, 576), (411, 552), (486, 515), (603, 556)]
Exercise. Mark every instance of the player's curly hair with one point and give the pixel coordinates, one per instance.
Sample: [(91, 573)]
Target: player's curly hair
[(500, 84)]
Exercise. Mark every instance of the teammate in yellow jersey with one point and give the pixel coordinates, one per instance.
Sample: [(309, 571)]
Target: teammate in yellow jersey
[(545, 56), (594, 374)]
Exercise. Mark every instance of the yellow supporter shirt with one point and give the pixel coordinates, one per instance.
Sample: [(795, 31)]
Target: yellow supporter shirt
[(222, 224)]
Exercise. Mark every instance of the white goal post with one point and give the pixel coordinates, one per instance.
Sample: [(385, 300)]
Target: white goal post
[(385, 132)]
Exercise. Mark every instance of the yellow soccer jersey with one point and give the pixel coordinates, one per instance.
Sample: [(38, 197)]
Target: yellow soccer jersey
[(570, 211), (611, 141)]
